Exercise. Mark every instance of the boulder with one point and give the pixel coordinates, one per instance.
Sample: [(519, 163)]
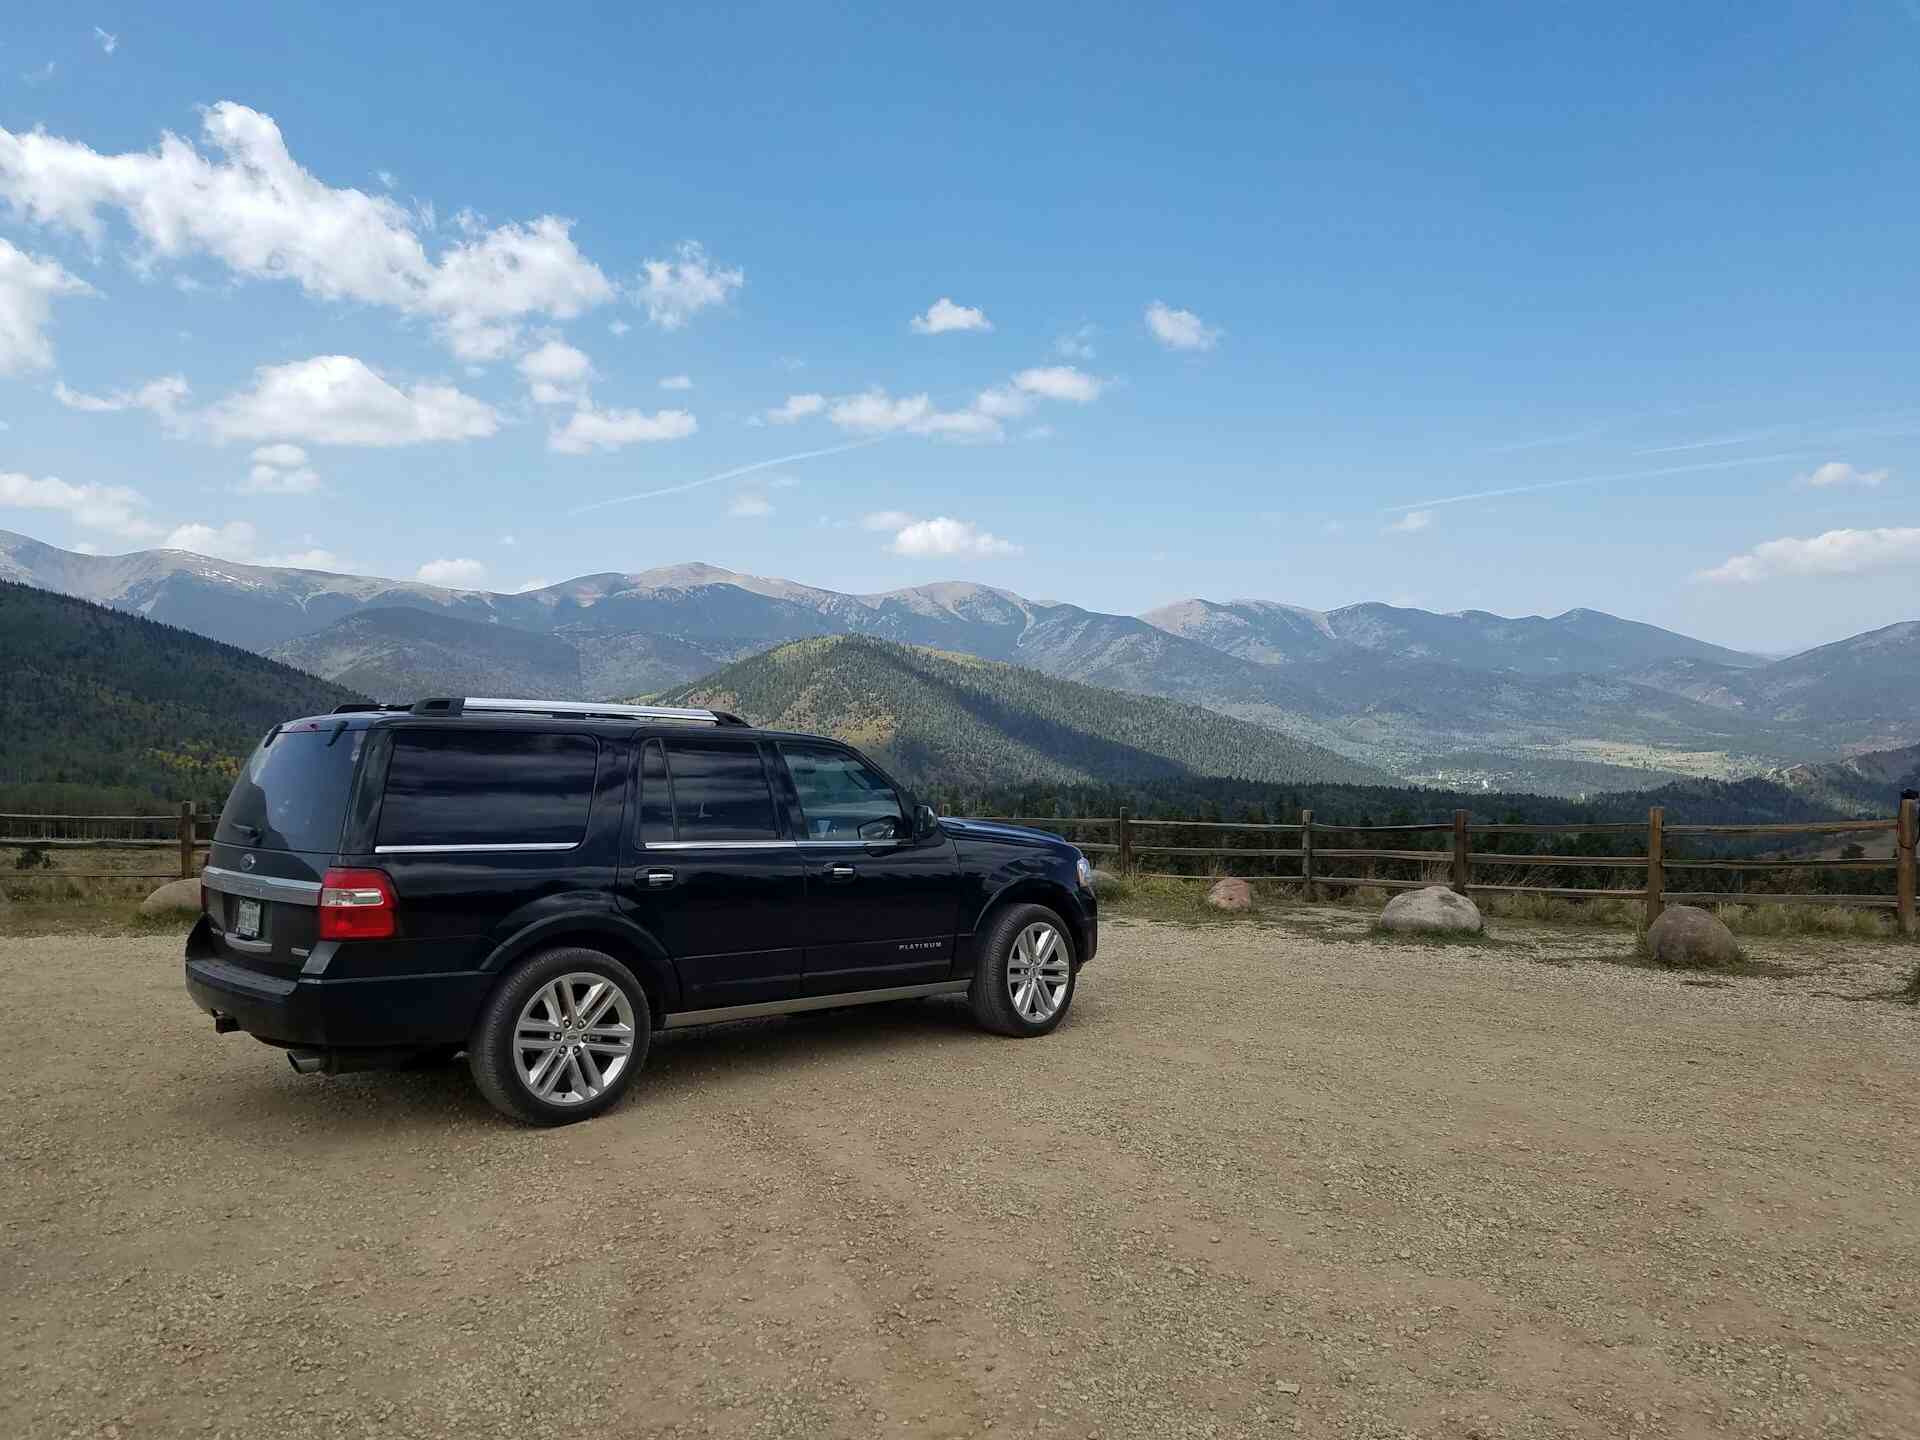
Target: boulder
[(1231, 894), (1105, 882), (1687, 937), (1436, 910), (176, 897)]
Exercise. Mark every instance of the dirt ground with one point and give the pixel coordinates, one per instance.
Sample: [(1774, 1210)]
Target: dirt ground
[(1265, 1179)]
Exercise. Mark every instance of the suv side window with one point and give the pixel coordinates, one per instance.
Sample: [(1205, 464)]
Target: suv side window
[(719, 792), (656, 795), (842, 797), (487, 787)]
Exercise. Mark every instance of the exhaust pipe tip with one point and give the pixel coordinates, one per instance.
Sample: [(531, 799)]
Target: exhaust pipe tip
[(307, 1062)]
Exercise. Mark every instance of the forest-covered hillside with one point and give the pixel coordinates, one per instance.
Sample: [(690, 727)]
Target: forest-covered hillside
[(99, 705), (960, 721)]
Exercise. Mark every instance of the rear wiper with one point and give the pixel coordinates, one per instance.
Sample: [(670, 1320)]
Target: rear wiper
[(252, 832)]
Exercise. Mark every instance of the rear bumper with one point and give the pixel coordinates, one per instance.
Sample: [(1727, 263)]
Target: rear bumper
[(338, 1013)]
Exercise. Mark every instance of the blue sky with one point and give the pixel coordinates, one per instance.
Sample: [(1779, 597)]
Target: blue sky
[(1523, 309)]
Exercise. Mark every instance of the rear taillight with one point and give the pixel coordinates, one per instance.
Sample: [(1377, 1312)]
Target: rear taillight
[(356, 905)]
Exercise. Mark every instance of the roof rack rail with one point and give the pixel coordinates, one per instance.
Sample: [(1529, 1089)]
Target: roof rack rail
[(574, 709), (357, 707)]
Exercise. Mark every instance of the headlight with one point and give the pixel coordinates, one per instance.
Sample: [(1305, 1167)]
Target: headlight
[(1083, 871)]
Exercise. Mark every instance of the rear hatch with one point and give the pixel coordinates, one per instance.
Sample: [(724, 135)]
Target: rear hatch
[(279, 832)]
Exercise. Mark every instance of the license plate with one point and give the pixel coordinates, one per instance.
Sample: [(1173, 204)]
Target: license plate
[(246, 919)]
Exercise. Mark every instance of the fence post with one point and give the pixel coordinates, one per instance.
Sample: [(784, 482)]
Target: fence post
[(1306, 855), (186, 839), (1905, 841), (1656, 862), (1460, 866), (1125, 842)]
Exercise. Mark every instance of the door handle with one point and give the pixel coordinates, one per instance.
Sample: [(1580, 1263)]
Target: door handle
[(659, 879), (840, 872)]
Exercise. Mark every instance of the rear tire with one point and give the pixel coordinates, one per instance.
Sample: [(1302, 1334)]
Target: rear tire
[(561, 1038), (1024, 979)]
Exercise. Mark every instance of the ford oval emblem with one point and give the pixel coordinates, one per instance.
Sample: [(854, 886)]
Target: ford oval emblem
[(246, 862)]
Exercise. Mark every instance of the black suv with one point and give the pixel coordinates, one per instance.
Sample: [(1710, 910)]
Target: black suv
[(544, 885)]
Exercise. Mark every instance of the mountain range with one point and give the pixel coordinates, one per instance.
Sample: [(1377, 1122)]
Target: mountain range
[(1565, 704)]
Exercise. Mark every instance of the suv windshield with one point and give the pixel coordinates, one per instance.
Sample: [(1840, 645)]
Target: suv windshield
[(293, 793)]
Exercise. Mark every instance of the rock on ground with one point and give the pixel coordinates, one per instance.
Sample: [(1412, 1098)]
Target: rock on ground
[(1434, 910), (1687, 936), (1105, 882), (1230, 894), (176, 897)]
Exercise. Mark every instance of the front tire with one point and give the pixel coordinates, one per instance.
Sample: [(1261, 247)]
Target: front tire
[(561, 1038), (1024, 980)]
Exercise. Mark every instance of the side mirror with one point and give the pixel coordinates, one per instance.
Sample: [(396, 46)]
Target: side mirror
[(925, 822)]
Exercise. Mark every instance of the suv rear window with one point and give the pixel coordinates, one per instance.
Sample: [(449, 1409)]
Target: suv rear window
[(487, 787), (293, 793)]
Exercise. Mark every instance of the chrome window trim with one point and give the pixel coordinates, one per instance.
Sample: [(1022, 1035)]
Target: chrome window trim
[(813, 1002), (260, 887), (719, 845), (542, 845), (854, 844)]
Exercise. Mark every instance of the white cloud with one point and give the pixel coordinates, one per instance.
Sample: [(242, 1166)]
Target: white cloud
[(886, 520), (674, 291), (1060, 382), (750, 507), (557, 374), (338, 400), (587, 430), (286, 456), (452, 574), (796, 407), (85, 547), (943, 316), (313, 559), (234, 540), (1076, 344), (113, 508), (28, 284), (1180, 329), (1412, 522), (945, 536), (526, 585), (108, 43), (1837, 473), (251, 206), (874, 412), (1837, 552), (1001, 403), (676, 382), (162, 397), (618, 327)]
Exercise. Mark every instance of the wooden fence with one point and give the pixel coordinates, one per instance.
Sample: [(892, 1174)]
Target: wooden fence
[(1133, 839), (1133, 848), (185, 832)]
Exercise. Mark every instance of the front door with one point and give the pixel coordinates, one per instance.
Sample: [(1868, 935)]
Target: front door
[(882, 903), (714, 876)]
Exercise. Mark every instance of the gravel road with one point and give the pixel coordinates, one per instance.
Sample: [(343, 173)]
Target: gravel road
[(1267, 1179)]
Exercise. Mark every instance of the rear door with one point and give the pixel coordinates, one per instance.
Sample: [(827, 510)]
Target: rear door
[(277, 835), (714, 876), (882, 904)]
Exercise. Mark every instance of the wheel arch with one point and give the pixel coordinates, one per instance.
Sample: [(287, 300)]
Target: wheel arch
[(1032, 890), (618, 937)]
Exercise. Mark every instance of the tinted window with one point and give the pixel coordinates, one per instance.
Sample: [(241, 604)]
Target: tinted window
[(720, 793), (841, 797), (481, 787), (656, 800), (293, 793)]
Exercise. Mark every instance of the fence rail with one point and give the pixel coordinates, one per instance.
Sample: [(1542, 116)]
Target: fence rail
[(56, 832), (81, 832), (1460, 858)]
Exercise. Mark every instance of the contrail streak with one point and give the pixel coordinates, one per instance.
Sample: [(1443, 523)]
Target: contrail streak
[(732, 474), (1594, 480)]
